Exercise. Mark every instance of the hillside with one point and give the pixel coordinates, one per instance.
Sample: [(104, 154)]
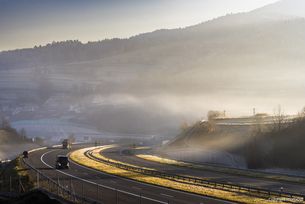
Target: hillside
[(10, 136), (280, 148), (286, 7), (13, 144), (276, 145), (175, 75)]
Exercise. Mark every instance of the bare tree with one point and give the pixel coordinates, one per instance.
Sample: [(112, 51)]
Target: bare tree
[(22, 133), (5, 124), (71, 138), (212, 116), (259, 126), (279, 120)]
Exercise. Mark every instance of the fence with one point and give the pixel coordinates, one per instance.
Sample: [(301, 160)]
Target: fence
[(197, 181), (13, 184), (84, 191)]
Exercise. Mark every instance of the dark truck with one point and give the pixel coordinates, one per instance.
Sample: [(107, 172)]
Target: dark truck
[(66, 144), (62, 162)]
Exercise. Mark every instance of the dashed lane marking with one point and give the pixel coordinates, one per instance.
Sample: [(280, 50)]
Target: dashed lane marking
[(145, 184), (166, 195)]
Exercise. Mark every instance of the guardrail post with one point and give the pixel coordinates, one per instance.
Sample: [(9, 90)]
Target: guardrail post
[(97, 192), (49, 188), (19, 182), (57, 185), (70, 192), (101, 196), (37, 178), (117, 196), (10, 184), (1, 187), (82, 192)]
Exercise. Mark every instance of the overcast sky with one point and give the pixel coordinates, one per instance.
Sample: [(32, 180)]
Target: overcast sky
[(25, 23)]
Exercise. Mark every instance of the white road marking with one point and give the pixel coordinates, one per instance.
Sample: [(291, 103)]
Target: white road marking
[(163, 194), (42, 156), (125, 179), (150, 185), (37, 149)]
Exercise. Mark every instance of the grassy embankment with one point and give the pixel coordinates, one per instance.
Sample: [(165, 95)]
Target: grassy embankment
[(15, 175), (96, 154), (238, 172), (80, 157)]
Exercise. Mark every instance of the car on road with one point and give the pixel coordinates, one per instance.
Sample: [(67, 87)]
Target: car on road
[(25, 154), (62, 162), (66, 144)]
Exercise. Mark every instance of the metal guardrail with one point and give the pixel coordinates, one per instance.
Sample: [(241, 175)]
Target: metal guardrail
[(55, 187), (243, 170), (202, 182), (83, 191)]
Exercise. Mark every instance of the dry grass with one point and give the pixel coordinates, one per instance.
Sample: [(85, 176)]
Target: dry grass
[(96, 152), (79, 157), (163, 160), (222, 169), (15, 173), (142, 148)]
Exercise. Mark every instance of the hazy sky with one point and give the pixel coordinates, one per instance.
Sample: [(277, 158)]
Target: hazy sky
[(25, 23)]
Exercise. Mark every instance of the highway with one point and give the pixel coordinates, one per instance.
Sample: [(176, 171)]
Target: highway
[(100, 186), (118, 154)]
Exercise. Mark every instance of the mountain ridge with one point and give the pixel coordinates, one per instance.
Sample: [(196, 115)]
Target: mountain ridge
[(232, 62), (266, 9), (293, 8)]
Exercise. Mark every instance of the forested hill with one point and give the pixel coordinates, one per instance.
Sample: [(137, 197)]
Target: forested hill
[(11, 136), (236, 29)]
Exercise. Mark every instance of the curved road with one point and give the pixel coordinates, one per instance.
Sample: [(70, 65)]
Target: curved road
[(99, 186), (117, 153)]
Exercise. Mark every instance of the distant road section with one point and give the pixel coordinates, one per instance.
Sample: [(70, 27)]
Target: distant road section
[(254, 120)]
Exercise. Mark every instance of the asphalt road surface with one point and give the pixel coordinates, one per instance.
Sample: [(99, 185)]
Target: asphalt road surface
[(100, 186), (118, 154)]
